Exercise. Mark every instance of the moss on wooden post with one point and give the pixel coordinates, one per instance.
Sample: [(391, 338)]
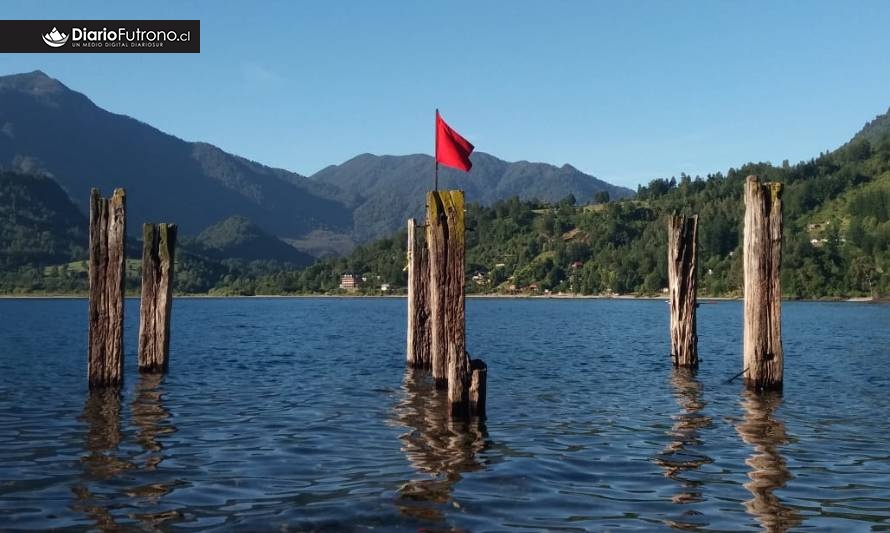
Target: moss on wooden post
[(107, 265), (436, 241), (158, 253), (450, 362), (458, 362)]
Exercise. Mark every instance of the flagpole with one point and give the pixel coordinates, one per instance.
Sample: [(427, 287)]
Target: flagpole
[(436, 152)]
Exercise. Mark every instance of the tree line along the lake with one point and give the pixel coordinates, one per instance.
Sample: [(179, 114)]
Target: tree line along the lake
[(837, 241)]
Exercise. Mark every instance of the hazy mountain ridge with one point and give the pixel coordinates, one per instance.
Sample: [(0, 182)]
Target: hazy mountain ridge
[(393, 188), (837, 223), (48, 129)]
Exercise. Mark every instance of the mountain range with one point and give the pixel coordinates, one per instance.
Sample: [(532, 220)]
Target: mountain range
[(48, 129), (394, 187)]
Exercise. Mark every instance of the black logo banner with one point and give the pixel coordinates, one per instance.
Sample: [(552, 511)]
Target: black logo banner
[(100, 36)]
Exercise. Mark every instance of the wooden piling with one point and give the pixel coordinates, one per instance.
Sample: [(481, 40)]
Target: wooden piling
[(436, 239), (418, 353), (763, 356), (107, 265), (449, 360), (158, 250), (683, 288), (478, 384), (455, 320)]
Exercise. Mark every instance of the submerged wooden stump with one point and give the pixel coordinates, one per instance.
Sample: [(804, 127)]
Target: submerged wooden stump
[(683, 288), (763, 357), (158, 250), (107, 264), (418, 354), (478, 384)]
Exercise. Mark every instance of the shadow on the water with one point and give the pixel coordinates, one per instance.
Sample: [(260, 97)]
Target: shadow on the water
[(102, 414), (680, 456), (435, 445), (766, 434)]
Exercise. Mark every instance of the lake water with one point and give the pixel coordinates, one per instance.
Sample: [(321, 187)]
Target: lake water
[(298, 414)]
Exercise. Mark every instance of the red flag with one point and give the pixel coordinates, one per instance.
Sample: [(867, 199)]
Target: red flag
[(452, 150)]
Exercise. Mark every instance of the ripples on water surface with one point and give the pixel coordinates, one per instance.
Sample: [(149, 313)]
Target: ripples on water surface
[(299, 413)]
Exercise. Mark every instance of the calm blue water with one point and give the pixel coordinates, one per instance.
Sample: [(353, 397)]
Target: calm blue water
[(298, 414)]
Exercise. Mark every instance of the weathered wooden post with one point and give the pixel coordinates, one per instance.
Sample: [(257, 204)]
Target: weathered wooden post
[(108, 230), (763, 357), (683, 288), (418, 354), (455, 319), (158, 250), (478, 380), (436, 239), (450, 361)]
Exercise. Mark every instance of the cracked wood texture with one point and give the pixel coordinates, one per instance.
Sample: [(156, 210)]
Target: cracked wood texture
[(107, 265), (418, 354), (763, 356), (436, 242), (449, 359), (683, 289), (158, 250), (455, 321)]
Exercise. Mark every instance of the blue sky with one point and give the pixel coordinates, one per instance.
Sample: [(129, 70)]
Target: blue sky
[(627, 91)]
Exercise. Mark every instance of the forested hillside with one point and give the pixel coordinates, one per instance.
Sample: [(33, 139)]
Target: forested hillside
[(38, 222), (837, 239), (389, 189), (43, 246), (837, 236)]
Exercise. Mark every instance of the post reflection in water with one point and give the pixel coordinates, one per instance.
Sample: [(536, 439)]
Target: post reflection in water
[(152, 420), (768, 472), (100, 490), (435, 446), (102, 414), (680, 457), (151, 417)]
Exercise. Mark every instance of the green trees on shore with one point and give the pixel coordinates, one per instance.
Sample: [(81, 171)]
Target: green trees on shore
[(837, 239), (837, 236)]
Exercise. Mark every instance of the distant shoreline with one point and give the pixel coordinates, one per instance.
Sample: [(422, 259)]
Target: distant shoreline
[(470, 296)]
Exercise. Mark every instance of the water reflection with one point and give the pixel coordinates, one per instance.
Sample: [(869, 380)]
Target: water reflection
[(766, 435), (435, 445), (680, 457), (101, 489), (151, 418), (102, 414)]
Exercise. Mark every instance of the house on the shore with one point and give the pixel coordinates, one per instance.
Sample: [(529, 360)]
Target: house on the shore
[(349, 282)]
